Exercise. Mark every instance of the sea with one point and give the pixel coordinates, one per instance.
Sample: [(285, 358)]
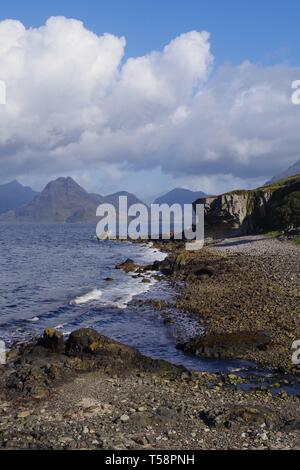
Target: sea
[(61, 276)]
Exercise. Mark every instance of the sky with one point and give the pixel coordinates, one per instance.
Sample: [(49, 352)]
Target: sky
[(146, 96)]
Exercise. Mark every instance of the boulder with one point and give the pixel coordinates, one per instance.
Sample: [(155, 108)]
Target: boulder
[(85, 341), (240, 415), (227, 344), (53, 340), (127, 266)]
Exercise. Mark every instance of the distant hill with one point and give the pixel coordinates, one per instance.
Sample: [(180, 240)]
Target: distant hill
[(131, 198), (291, 171), (63, 201), (180, 196), (13, 195)]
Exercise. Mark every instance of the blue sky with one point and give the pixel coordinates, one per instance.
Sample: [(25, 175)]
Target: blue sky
[(208, 113), (264, 31)]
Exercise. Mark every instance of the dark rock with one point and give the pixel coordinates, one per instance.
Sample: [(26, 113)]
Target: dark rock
[(224, 345), (166, 413), (291, 426), (53, 340), (85, 341), (90, 343), (127, 266), (166, 267), (293, 232), (240, 415)]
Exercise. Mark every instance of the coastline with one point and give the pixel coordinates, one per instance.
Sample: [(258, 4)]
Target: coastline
[(246, 291), (91, 392)]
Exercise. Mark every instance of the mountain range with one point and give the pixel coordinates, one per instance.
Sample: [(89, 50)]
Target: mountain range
[(62, 201), (180, 196), (65, 201), (14, 195)]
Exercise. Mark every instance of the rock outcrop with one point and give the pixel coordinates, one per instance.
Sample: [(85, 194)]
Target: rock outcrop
[(273, 207)]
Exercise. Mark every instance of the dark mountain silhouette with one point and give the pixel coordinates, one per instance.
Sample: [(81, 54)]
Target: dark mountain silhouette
[(64, 201), (13, 195), (131, 198), (179, 196)]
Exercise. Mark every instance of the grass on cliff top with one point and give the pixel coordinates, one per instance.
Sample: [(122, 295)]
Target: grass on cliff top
[(273, 233), (267, 187), (281, 183)]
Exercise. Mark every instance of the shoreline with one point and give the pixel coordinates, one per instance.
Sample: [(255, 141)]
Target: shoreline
[(248, 300), (90, 392)]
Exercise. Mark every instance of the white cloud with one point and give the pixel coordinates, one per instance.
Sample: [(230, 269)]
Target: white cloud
[(74, 105)]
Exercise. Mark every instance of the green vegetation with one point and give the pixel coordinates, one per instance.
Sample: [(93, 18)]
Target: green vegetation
[(285, 210), (281, 183), (273, 233), (297, 240), (270, 187), (271, 208)]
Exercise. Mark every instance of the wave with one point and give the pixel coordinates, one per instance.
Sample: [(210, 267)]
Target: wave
[(121, 296), (88, 297)]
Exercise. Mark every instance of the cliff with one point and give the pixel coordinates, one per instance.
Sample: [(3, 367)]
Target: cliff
[(272, 207)]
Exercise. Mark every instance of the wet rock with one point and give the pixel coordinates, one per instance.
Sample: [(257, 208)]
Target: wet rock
[(53, 340), (85, 341), (184, 265), (226, 345), (127, 266), (166, 267), (240, 415)]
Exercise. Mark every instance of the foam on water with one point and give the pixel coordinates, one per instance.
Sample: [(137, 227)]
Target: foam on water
[(44, 267), (121, 295), (88, 297)]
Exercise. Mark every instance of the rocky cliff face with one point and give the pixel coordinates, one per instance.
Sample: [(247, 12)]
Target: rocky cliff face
[(245, 212)]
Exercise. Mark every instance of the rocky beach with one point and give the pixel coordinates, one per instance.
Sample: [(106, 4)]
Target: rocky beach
[(87, 391)]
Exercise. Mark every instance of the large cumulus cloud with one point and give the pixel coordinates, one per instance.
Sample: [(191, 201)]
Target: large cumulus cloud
[(74, 103)]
